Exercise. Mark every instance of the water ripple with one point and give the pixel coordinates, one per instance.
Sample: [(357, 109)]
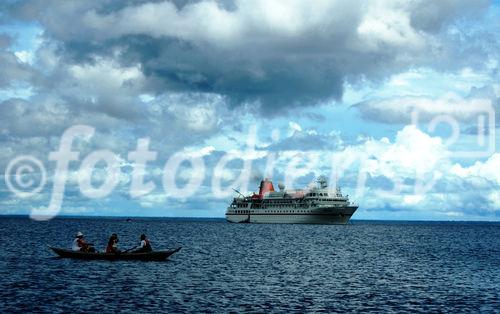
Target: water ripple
[(385, 267)]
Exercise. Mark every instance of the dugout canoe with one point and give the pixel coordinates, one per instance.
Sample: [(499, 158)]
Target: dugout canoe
[(148, 256)]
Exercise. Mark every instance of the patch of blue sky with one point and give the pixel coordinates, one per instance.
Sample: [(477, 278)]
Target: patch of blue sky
[(17, 90), (26, 36)]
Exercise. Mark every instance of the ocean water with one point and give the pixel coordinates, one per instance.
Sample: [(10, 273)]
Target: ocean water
[(364, 266)]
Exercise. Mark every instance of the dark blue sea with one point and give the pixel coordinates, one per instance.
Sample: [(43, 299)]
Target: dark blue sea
[(364, 266)]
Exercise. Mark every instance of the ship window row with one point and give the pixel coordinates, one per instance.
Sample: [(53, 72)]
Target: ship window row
[(276, 211), (285, 206), (317, 194), (286, 211), (279, 202)]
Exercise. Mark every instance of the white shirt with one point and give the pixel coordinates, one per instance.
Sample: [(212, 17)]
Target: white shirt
[(143, 243), (75, 246)]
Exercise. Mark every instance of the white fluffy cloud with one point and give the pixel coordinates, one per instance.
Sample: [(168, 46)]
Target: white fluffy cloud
[(488, 170), (415, 173), (104, 76)]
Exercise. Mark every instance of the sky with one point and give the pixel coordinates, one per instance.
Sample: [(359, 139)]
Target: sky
[(394, 101)]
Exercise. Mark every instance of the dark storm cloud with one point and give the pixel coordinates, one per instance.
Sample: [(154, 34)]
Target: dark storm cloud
[(5, 41), (269, 53), (19, 117), (12, 70), (431, 16)]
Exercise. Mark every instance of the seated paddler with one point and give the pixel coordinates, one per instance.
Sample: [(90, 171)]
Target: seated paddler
[(112, 246), (79, 244), (144, 246)]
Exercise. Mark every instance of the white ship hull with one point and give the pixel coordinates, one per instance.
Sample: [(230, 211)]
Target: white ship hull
[(336, 217)]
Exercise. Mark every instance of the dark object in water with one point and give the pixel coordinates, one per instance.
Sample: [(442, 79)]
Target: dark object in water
[(149, 256)]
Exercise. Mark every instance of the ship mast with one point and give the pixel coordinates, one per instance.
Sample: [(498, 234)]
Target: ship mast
[(322, 182)]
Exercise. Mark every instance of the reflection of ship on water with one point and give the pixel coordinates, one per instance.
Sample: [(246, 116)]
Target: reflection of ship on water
[(318, 205)]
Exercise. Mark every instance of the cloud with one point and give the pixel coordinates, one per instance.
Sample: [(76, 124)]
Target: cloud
[(271, 53), (5, 41), (399, 109), (298, 139), (394, 170), (413, 173), (14, 70), (431, 16), (487, 170), (21, 118)]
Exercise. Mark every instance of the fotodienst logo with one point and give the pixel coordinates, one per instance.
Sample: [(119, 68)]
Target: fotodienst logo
[(471, 125), (26, 176)]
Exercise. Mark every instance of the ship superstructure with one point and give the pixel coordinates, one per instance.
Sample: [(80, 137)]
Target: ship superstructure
[(317, 205)]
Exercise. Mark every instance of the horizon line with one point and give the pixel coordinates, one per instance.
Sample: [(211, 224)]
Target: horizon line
[(223, 218)]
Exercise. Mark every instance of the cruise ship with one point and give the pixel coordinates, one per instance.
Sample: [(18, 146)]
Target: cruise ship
[(317, 205)]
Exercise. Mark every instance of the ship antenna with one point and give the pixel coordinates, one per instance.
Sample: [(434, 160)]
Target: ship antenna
[(238, 192), (337, 187)]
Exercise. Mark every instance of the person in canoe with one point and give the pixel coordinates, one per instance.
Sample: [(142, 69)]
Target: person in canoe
[(113, 244), (79, 244), (145, 245)]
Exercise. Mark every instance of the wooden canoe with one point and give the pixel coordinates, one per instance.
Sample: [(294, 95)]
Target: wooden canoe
[(148, 256)]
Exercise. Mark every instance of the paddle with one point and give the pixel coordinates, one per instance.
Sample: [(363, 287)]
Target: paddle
[(129, 249)]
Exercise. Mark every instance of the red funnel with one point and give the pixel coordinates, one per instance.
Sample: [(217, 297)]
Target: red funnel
[(265, 187)]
